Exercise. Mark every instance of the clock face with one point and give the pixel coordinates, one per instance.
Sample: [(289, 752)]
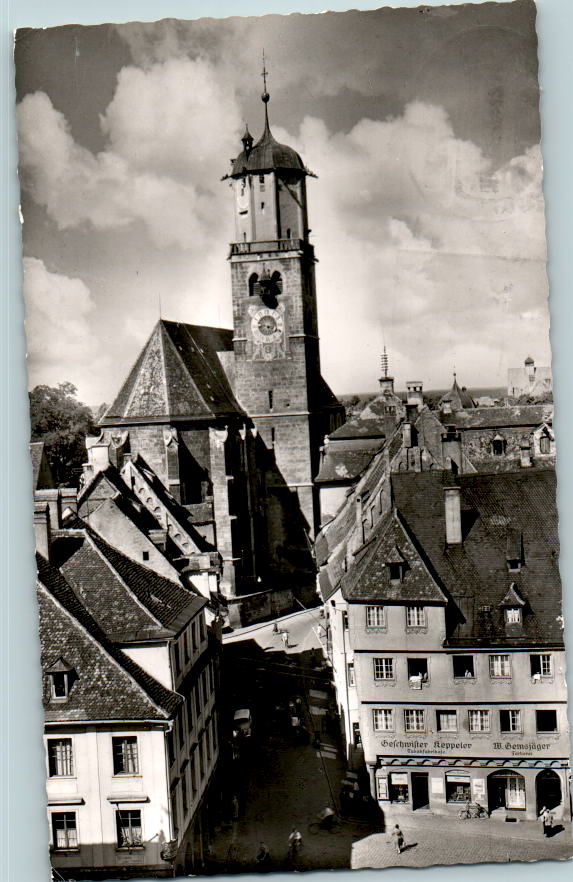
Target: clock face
[(267, 325)]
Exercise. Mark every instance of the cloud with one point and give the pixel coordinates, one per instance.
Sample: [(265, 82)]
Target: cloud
[(159, 166), (61, 345)]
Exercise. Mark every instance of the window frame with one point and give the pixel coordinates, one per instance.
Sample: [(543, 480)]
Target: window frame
[(65, 815), (382, 666), (463, 676), (491, 661), (484, 714), (350, 674), (386, 713), (513, 610), (122, 741), (541, 656), (451, 713), (127, 846), (543, 710), (380, 613), (510, 730), (53, 759), (422, 620), (420, 713)]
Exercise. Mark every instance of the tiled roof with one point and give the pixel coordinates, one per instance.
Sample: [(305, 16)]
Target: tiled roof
[(357, 428), (41, 476), (369, 577), (475, 573), (493, 417), (124, 597), (109, 685), (459, 398), (267, 154), (342, 464), (178, 376)]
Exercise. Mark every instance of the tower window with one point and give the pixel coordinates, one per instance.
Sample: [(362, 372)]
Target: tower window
[(261, 183), (273, 436), (262, 206), (254, 285), (270, 399), (277, 283), (288, 233)]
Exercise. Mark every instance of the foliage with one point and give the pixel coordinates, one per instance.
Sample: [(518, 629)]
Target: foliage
[(62, 423)]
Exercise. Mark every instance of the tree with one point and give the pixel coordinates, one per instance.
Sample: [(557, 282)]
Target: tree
[(62, 423)]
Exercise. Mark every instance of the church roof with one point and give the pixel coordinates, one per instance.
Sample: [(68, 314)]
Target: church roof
[(267, 154), (177, 376), (460, 398)]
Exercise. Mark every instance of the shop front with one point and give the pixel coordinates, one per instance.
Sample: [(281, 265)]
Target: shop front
[(505, 788)]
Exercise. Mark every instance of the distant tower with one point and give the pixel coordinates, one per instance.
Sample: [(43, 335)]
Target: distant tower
[(277, 363)]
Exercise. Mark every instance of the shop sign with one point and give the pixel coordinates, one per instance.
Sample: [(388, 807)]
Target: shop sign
[(399, 777), (437, 785), (458, 779), (478, 787)]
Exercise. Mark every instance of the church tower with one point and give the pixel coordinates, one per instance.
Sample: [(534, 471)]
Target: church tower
[(276, 345)]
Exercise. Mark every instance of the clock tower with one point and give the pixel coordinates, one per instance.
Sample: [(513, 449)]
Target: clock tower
[(276, 346)]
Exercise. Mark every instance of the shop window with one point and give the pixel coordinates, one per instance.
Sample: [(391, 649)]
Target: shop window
[(510, 721), (540, 665), (446, 721), (546, 720), (383, 668), (398, 787), (375, 617), (499, 666), (458, 788), (415, 616), (414, 720), (383, 719), (64, 831), (463, 666), (479, 720), (417, 672)]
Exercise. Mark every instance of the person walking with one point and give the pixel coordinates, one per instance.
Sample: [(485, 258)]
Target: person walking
[(546, 821), (235, 808), (263, 858), (398, 838), (294, 843), (284, 638)]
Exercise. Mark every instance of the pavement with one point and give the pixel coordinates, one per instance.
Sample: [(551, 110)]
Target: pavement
[(282, 781)]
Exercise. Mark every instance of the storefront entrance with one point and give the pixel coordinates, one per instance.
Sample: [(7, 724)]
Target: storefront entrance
[(505, 790), (548, 790), (420, 794)]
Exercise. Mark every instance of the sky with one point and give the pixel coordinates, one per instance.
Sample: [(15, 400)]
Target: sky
[(427, 214)]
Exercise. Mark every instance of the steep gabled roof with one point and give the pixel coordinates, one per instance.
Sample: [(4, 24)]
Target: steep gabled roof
[(459, 398), (177, 376), (342, 464), (109, 685), (526, 415), (475, 573), (41, 473), (369, 577), (129, 601)]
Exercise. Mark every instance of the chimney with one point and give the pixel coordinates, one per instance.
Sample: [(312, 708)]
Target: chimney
[(386, 384), (525, 456), (98, 453), (453, 512), (42, 528), (51, 498), (407, 435), (452, 447), (69, 499), (411, 412), (414, 393)]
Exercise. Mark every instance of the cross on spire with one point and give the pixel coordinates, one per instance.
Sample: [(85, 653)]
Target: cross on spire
[(264, 75)]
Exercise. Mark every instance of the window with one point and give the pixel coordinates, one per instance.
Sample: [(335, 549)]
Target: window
[(375, 617), (170, 748), (383, 719), (544, 444), (273, 435), (345, 620), (356, 735), (186, 647), (202, 756), (414, 720), (145, 555), (208, 742), (510, 720), (193, 777), (174, 809), (194, 636), (60, 759), (499, 666), (479, 720), (181, 729), (498, 446), (262, 183), (262, 206), (254, 285), (513, 615), (446, 721), (184, 791), (202, 629), (197, 701), (395, 572), (270, 399), (189, 714), (60, 685), (415, 617), (128, 823), (417, 672), (540, 665), (350, 674), (177, 659), (383, 668), (458, 788), (546, 720), (463, 666), (64, 831), (125, 760)]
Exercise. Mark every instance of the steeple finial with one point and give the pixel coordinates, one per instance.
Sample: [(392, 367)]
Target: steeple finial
[(384, 363), (265, 97)]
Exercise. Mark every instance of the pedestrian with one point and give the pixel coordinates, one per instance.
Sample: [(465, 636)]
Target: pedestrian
[(263, 858), (294, 842), (398, 838), (235, 807), (284, 638), (275, 628), (546, 821)]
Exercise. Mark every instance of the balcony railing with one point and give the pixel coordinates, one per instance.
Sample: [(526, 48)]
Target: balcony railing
[(270, 245)]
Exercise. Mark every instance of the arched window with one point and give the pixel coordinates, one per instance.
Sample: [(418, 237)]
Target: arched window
[(545, 444), (254, 286), (277, 283)]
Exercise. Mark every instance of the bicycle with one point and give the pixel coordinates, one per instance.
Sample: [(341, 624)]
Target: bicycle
[(331, 824), (472, 811)]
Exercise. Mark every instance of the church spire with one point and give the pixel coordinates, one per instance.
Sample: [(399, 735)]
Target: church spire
[(265, 97)]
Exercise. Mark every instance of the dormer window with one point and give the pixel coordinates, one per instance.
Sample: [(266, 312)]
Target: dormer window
[(513, 615), (61, 678), (395, 572), (545, 444), (396, 564), (498, 445)]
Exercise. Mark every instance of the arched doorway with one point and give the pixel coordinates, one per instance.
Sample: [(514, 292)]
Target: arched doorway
[(505, 790), (548, 790)]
